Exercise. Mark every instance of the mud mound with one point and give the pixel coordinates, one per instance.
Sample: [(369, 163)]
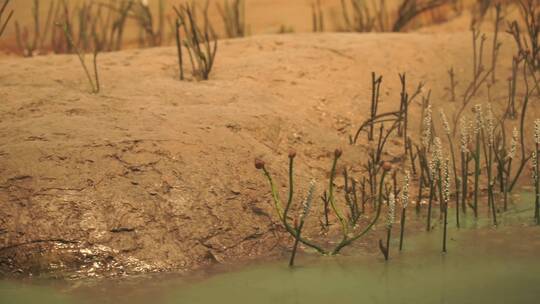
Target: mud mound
[(157, 174)]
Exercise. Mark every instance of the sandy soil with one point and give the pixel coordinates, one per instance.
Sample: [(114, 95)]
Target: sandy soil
[(157, 174)]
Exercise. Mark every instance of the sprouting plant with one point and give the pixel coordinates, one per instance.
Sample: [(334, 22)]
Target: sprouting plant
[(234, 18), (385, 249), (404, 203), (94, 83), (299, 224), (317, 16), (3, 23), (351, 199), (201, 43)]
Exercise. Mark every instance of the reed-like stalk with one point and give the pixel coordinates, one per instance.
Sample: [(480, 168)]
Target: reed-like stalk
[(496, 44), (446, 129), (536, 170), (488, 138), (331, 198), (465, 158), (478, 126), (435, 174), (404, 204), (508, 171)]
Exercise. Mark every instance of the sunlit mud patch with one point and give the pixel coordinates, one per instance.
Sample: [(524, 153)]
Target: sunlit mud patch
[(62, 259)]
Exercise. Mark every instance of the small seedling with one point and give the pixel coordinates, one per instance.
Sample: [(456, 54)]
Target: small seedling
[(94, 83)]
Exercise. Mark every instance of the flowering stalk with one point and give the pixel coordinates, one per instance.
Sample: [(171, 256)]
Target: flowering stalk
[(445, 198), (446, 126), (434, 169), (404, 204), (465, 158), (389, 222)]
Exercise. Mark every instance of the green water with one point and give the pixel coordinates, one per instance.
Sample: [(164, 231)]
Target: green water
[(483, 265)]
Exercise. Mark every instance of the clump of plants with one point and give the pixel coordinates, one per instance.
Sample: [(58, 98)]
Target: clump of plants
[(233, 15), (349, 228), (365, 16), (86, 19), (317, 17), (199, 41)]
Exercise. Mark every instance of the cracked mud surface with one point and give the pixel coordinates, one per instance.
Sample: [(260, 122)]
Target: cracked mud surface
[(154, 174)]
